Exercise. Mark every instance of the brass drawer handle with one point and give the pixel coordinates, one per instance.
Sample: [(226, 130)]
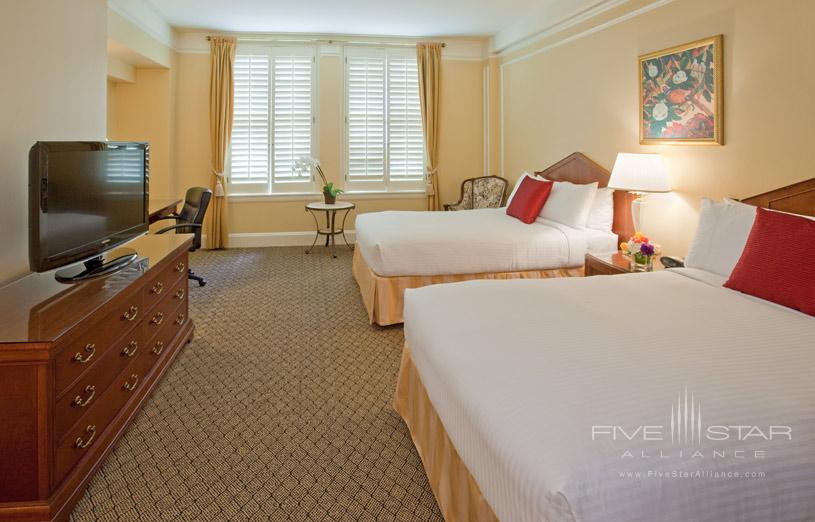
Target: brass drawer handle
[(131, 313), (91, 349), (157, 288), (90, 390), (131, 349), (158, 348), (180, 266), (157, 319), (131, 382), (180, 319), (91, 431), (179, 294)]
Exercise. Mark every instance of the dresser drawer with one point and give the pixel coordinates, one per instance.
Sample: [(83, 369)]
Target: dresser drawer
[(82, 437), (162, 341), (78, 399), (83, 352), (159, 285), (164, 311)]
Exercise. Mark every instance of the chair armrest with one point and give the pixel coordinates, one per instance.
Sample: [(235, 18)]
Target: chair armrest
[(180, 225), (171, 216)]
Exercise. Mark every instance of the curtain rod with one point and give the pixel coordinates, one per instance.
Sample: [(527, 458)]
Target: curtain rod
[(319, 40)]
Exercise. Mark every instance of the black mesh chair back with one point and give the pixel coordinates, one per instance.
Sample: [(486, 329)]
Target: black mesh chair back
[(195, 206), (191, 220)]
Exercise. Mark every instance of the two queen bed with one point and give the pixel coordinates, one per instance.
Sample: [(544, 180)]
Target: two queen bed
[(400, 250), (639, 397)]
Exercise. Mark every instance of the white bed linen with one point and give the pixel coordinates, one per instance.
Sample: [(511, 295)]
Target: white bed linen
[(519, 391), (601, 242), (400, 243)]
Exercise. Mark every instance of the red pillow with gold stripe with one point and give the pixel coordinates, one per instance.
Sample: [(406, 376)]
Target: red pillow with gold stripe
[(529, 199), (774, 264)]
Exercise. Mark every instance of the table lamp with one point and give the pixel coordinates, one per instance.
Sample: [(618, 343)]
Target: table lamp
[(639, 174)]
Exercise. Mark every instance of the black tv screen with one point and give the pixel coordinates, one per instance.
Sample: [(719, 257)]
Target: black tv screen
[(84, 198)]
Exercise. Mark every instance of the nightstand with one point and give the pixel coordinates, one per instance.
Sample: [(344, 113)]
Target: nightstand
[(612, 263)]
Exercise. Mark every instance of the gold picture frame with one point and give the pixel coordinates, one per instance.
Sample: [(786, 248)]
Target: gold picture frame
[(681, 94)]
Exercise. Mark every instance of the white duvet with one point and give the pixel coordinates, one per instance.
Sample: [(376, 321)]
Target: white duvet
[(399, 243), (530, 393)]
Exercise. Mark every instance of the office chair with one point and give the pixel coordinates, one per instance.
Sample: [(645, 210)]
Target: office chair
[(190, 220)]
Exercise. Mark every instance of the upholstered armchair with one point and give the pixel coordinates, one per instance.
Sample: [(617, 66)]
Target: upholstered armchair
[(483, 192)]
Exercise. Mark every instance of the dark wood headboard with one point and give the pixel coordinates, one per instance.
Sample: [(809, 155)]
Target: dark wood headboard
[(798, 198), (578, 168)]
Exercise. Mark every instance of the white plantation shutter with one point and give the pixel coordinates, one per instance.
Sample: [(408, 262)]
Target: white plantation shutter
[(292, 114), (273, 122), (405, 140), (384, 137), (366, 117), (249, 153)]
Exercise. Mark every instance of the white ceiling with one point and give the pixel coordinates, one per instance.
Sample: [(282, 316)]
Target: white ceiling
[(359, 17)]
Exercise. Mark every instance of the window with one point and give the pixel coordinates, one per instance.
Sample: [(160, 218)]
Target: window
[(383, 132), (274, 119)]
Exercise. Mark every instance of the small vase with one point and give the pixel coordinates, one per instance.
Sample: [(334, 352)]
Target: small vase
[(641, 263), (329, 198)]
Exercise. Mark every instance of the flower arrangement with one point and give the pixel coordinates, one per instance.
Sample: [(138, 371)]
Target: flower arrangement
[(641, 251), (305, 164)]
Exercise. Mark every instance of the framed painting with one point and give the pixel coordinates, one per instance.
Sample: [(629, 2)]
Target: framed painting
[(681, 94)]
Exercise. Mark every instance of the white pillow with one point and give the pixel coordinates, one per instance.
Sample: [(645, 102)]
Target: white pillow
[(720, 236), (601, 215), (569, 204), (515, 188)]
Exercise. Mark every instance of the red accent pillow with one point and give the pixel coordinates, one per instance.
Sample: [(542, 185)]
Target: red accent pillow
[(775, 262), (529, 199)]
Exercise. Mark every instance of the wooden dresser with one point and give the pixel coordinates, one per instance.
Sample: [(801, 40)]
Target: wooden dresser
[(76, 363)]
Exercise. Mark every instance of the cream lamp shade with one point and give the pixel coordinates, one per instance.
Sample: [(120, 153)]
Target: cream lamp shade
[(639, 173)]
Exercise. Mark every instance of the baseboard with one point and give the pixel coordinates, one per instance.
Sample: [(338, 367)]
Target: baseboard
[(277, 239)]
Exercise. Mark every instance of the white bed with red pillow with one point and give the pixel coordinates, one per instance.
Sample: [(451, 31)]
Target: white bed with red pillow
[(398, 243), (573, 220), (396, 250), (683, 394)]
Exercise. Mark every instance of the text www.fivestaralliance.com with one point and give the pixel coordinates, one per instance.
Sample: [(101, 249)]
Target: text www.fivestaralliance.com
[(698, 474)]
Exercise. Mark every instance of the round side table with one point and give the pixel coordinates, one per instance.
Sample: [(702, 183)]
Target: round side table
[(330, 231)]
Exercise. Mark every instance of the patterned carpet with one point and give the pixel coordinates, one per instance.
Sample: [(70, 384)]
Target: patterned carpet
[(280, 409)]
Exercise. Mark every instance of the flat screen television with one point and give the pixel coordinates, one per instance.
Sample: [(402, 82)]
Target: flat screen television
[(85, 198)]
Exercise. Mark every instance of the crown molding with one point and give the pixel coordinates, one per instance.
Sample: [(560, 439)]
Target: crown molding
[(593, 29), (193, 41), (515, 37), (146, 17)]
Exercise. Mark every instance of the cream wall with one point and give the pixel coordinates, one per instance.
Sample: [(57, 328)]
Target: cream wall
[(144, 111), (111, 108), (56, 52), (582, 95), (461, 142)]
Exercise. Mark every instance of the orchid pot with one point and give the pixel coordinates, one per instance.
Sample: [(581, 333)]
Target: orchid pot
[(330, 192)]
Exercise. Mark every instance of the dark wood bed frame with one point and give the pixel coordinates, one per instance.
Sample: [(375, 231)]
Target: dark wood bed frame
[(578, 168), (798, 198)]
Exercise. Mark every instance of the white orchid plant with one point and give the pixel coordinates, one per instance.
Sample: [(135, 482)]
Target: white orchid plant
[(306, 163)]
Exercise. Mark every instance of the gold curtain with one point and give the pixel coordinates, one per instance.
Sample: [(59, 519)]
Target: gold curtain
[(428, 58), (221, 101)]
